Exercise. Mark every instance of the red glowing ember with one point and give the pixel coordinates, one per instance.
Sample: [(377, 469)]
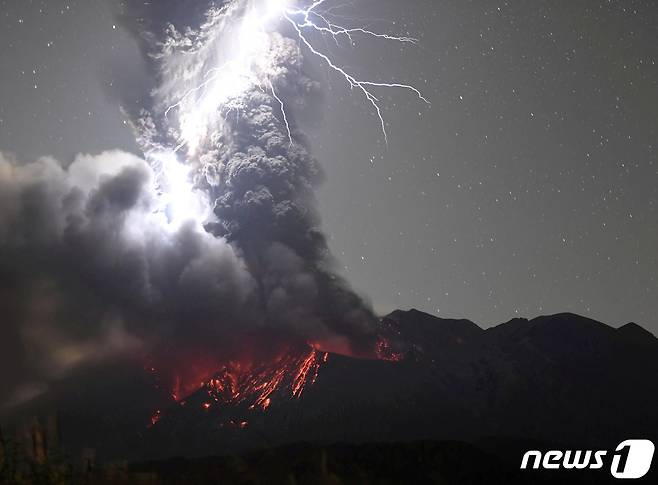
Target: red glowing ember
[(156, 417), (252, 378), (385, 352), (247, 383)]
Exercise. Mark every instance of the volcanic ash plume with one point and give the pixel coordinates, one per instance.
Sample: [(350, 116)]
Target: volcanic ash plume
[(204, 251), (223, 104)]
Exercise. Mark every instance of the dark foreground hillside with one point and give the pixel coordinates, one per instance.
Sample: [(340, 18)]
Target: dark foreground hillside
[(448, 463), (461, 406), (554, 379)]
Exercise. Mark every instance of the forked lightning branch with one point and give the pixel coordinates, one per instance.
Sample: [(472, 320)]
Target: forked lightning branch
[(233, 77)]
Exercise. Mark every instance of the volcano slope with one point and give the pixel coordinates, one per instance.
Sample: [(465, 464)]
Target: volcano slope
[(560, 379)]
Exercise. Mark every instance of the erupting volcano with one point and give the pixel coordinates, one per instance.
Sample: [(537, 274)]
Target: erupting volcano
[(228, 157), (176, 285), (203, 258), (251, 381)]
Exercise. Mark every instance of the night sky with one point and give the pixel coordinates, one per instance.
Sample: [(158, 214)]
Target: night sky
[(529, 186)]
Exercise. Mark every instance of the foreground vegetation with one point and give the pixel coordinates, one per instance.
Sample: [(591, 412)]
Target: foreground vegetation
[(35, 457)]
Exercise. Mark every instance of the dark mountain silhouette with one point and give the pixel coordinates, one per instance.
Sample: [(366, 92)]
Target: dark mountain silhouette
[(554, 382), (560, 379)]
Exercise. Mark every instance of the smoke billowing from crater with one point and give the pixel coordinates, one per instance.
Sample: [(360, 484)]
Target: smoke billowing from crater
[(204, 249)]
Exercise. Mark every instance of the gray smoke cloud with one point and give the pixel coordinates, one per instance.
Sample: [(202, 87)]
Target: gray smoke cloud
[(90, 271), (97, 263), (260, 178)]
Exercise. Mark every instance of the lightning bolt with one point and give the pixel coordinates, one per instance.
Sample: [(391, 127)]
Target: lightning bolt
[(302, 19), (216, 73), (283, 111), (335, 31)]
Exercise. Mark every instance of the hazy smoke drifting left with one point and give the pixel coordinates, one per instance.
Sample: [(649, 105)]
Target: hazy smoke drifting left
[(90, 268)]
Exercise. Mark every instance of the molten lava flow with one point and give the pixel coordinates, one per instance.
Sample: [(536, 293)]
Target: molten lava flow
[(246, 383), (306, 373), (253, 377)]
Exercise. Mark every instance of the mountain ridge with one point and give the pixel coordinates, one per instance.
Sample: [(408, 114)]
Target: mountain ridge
[(630, 326), (554, 379), (558, 378)]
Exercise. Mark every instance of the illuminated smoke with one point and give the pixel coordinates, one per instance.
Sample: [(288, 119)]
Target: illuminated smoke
[(223, 100), (225, 105), (93, 267), (212, 240)]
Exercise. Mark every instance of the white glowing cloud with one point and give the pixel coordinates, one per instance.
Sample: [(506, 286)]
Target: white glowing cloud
[(236, 53), (179, 201), (205, 73), (236, 56)]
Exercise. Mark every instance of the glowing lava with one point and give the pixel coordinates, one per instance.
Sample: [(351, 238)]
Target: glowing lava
[(242, 387), (386, 352), (252, 385)]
